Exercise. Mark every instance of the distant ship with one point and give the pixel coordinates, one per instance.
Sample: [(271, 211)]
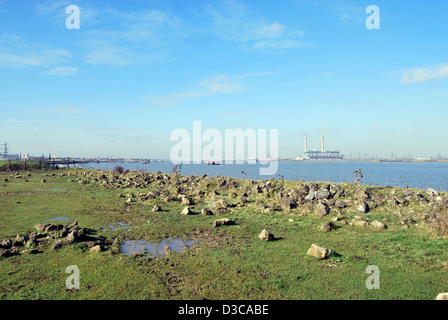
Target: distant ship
[(213, 163), (321, 155)]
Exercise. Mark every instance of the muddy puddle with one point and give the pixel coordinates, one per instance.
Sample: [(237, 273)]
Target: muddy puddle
[(117, 226), (156, 249), (59, 218)]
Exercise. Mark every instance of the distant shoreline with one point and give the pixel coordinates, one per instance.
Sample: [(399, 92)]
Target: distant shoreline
[(366, 160)]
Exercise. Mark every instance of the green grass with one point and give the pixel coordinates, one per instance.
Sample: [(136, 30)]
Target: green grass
[(230, 262)]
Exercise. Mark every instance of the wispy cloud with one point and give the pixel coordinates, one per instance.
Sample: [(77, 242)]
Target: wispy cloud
[(65, 110), (62, 71), (119, 133), (236, 113), (43, 58), (137, 37), (424, 74), (217, 84), (235, 21), (325, 130), (16, 52)]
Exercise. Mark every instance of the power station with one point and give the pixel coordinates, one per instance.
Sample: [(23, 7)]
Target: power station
[(322, 154)]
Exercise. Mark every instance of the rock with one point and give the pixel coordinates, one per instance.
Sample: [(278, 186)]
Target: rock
[(334, 190), (72, 224), (431, 193), (41, 226), (185, 201), (53, 227), (256, 190), (6, 253), (72, 237), (378, 225), (288, 203), (319, 252), (340, 204), (243, 199), (97, 248), (218, 211), (361, 195), (359, 222), (338, 218), (223, 222), (321, 210), (187, 211), (303, 190), (31, 243), (57, 244), (223, 203), (21, 238), (156, 208), (32, 236), (29, 251), (327, 227), (280, 195), (311, 196), (6, 244), (265, 236), (442, 296), (19, 241), (322, 194), (313, 186), (362, 207), (206, 212)]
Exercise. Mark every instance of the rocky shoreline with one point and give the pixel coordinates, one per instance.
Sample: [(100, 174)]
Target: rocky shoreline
[(345, 204)]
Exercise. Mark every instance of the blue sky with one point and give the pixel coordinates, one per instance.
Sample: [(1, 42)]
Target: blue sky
[(136, 70)]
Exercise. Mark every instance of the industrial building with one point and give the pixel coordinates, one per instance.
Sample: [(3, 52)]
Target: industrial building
[(320, 154)]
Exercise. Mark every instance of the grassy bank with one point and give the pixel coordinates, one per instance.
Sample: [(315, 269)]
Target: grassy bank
[(230, 262)]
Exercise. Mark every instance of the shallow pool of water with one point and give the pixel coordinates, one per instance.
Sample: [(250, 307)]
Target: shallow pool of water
[(59, 218), (119, 225), (155, 249)]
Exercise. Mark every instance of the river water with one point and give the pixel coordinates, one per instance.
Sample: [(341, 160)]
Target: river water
[(419, 175)]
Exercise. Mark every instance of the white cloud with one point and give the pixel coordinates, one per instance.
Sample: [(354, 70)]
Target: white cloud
[(222, 84), (218, 84), (65, 110), (424, 74), (136, 37), (281, 44), (346, 11), (16, 52), (324, 130), (62, 71), (234, 21), (40, 59)]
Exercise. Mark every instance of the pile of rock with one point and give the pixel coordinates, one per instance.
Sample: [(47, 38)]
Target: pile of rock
[(54, 235)]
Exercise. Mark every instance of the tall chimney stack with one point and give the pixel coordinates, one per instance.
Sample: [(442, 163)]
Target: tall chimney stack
[(323, 149), (306, 145)]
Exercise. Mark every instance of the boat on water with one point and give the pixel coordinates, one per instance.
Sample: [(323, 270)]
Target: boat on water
[(213, 163)]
